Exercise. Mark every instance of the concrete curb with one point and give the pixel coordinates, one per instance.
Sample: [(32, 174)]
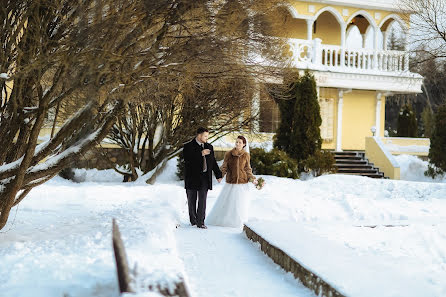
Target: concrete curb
[(308, 278)]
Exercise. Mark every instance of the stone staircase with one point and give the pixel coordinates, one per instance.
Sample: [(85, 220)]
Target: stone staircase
[(355, 163)]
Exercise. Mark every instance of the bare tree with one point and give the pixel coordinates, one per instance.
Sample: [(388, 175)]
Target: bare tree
[(428, 22), (221, 56), (154, 128), (88, 54)]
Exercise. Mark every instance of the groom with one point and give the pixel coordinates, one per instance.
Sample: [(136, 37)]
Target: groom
[(199, 163)]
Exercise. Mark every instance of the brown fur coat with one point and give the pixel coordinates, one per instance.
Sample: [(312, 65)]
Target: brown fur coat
[(236, 166)]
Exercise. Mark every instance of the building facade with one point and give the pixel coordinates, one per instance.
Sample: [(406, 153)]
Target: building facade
[(353, 75)]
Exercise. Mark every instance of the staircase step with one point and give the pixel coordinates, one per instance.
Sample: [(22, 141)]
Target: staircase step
[(358, 170), (354, 166), (348, 158), (346, 153), (371, 175), (356, 162)]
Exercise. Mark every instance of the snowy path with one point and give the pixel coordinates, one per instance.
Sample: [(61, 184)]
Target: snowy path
[(222, 262)]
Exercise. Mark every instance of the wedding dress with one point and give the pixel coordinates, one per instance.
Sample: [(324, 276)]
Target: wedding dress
[(232, 206)]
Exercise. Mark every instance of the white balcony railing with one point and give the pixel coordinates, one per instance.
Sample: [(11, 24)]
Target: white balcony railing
[(315, 55)]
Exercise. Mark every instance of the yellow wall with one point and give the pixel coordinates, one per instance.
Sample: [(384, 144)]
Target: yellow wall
[(382, 159), (328, 29), (358, 116)]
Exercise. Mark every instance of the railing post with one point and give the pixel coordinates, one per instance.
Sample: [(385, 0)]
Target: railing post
[(406, 61), (317, 53)]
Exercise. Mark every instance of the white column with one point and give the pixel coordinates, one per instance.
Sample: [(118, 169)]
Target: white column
[(364, 36), (339, 128), (375, 47), (385, 40), (310, 23), (378, 115), (343, 40), (255, 109), (317, 52)]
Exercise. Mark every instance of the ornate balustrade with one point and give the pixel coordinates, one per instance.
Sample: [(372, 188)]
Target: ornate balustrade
[(313, 54)]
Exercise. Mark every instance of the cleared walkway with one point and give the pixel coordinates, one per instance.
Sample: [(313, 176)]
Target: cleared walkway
[(222, 262)]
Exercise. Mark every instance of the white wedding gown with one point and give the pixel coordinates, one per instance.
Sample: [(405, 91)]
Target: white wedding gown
[(231, 207)]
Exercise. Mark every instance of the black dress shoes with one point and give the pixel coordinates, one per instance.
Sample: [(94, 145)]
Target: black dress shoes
[(202, 226)]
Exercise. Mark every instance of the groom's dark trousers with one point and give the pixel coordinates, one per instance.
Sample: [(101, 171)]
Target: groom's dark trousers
[(197, 216), (196, 182)]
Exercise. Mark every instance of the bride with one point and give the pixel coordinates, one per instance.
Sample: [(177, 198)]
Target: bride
[(231, 207)]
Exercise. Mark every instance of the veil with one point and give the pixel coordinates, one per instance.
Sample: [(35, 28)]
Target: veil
[(247, 146)]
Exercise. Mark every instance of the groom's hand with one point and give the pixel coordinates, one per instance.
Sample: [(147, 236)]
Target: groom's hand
[(205, 152), (219, 180)]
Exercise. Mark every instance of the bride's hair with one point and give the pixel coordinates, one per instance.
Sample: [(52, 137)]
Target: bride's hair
[(243, 139)]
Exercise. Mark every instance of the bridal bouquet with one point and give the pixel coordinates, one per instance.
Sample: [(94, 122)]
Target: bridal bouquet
[(259, 183)]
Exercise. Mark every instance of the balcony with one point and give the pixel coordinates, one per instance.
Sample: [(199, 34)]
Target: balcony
[(315, 55), (366, 64)]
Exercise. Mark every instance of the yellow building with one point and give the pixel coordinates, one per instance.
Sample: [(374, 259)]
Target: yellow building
[(353, 80)]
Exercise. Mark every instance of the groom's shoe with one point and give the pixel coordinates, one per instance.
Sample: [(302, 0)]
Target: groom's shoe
[(202, 226)]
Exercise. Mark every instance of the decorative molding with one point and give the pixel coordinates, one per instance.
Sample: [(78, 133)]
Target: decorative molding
[(397, 84), (334, 11), (384, 5), (345, 12), (364, 14), (398, 19), (377, 15), (311, 8)]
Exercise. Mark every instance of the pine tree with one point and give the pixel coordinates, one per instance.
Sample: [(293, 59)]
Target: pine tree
[(407, 122), (306, 134), (437, 151), (427, 117), (286, 109)]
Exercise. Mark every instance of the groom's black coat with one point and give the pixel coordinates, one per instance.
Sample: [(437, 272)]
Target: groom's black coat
[(193, 166)]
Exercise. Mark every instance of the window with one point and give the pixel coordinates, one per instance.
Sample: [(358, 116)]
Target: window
[(327, 115)]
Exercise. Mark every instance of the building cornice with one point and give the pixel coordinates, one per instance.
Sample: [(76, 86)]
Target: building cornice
[(389, 5), (397, 84)]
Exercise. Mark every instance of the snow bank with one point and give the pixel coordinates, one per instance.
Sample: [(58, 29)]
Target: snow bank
[(58, 241), (413, 168), (402, 223), (97, 176)]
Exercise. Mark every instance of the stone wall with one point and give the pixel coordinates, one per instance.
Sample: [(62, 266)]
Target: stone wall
[(307, 277)]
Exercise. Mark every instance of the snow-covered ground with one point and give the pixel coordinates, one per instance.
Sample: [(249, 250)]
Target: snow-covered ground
[(58, 240), (413, 168)]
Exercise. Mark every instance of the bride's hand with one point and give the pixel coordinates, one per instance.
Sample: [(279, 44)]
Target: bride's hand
[(255, 182)]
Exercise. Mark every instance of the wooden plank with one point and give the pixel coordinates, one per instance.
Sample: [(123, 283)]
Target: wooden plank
[(122, 265)]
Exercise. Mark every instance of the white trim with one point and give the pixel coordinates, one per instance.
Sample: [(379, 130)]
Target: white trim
[(291, 9), (396, 18), (365, 14), (356, 4), (333, 11), (378, 114), (311, 8), (339, 127), (399, 84), (310, 24)]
